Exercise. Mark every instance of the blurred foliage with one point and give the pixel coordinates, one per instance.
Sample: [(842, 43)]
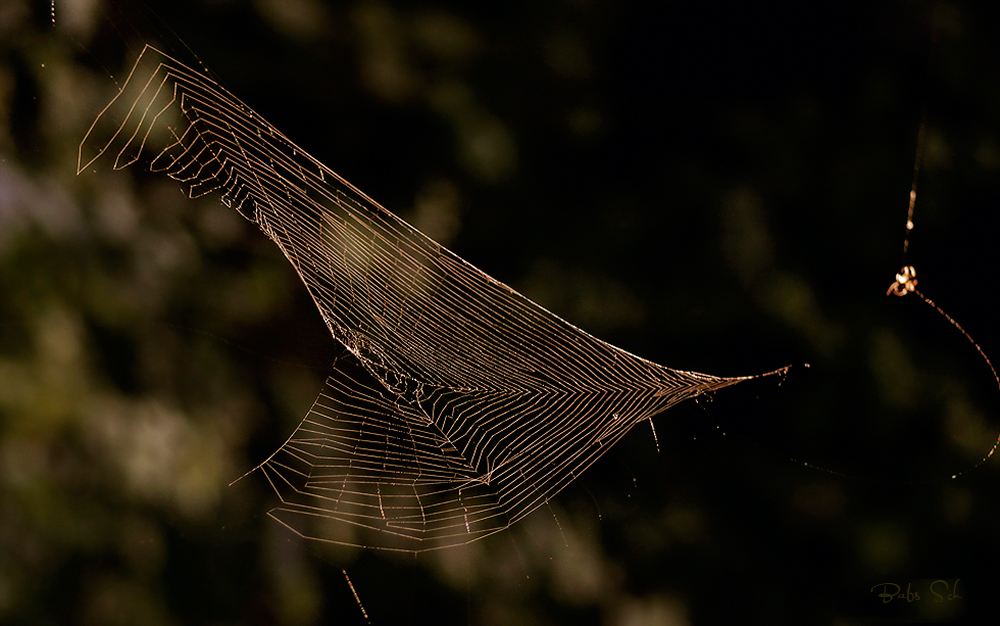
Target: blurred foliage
[(718, 188)]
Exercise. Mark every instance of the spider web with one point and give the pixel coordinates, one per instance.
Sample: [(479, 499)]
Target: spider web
[(462, 407)]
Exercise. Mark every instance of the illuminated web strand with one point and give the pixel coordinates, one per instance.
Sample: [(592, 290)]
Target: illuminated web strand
[(985, 358), (462, 405), (918, 159), (357, 598)]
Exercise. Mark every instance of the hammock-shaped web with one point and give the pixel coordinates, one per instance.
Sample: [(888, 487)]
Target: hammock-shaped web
[(465, 405)]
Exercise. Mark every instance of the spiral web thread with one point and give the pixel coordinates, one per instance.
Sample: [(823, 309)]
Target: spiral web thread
[(465, 405)]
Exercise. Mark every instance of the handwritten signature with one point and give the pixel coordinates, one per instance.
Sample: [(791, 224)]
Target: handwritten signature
[(939, 589)]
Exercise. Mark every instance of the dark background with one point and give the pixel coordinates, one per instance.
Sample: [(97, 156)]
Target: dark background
[(719, 187)]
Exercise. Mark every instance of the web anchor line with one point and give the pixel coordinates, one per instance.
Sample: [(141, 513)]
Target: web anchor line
[(459, 406)]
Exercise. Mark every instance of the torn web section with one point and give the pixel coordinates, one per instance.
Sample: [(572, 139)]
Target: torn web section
[(364, 469), (156, 115), (143, 116), (368, 468)]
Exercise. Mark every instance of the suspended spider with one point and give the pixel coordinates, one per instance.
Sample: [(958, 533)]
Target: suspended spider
[(906, 281)]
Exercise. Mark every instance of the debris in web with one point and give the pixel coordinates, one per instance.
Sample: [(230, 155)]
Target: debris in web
[(461, 407)]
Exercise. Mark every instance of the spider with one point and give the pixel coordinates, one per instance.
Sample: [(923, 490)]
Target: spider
[(906, 281)]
